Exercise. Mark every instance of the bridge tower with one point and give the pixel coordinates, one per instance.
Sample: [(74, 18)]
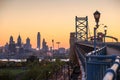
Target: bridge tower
[(81, 27)]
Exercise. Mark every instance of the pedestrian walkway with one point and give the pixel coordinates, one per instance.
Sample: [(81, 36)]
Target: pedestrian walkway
[(111, 51)]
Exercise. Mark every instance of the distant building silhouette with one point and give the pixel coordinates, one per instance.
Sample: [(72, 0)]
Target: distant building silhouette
[(6, 47), (27, 46), (19, 43), (12, 46), (38, 40), (11, 40), (61, 50), (18, 47), (44, 46)]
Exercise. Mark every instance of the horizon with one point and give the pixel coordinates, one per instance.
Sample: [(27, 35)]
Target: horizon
[(54, 19)]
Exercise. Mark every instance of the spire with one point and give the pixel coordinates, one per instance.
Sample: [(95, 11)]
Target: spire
[(19, 41), (11, 40)]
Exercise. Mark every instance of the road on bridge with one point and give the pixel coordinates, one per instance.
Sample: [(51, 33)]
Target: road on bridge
[(111, 51)]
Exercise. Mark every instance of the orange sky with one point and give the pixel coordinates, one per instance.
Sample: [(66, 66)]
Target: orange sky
[(54, 19)]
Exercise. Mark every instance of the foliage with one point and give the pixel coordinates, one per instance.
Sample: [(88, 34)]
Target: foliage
[(32, 59), (9, 74), (43, 70), (33, 70)]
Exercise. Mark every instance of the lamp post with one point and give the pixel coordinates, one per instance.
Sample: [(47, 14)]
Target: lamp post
[(97, 17), (105, 32)]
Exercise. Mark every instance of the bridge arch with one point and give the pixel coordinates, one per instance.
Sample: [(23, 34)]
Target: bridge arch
[(116, 39)]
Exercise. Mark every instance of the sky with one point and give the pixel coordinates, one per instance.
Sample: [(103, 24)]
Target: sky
[(54, 19)]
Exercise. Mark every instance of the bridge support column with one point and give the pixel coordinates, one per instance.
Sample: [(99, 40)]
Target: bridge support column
[(95, 40), (81, 27)]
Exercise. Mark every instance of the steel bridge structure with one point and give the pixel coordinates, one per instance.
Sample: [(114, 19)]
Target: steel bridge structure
[(102, 64)]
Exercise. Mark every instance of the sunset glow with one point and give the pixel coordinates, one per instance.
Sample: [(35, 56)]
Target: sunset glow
[(54, 19)]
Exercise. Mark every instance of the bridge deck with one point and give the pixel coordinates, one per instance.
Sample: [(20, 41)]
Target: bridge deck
[(111, 51)]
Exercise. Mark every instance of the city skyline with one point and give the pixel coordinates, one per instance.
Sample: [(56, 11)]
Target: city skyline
[(20, 43), (54, 19)]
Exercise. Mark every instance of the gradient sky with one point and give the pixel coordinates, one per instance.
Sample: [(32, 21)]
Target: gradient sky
[(54, 19)]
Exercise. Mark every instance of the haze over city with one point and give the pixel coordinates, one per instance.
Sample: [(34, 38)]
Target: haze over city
[(54, 19)]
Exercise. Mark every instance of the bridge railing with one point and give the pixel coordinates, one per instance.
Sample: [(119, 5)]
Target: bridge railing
[(112, 72), (96, 66), (81, 60), (114, 45), (81, 56), (100, 51)]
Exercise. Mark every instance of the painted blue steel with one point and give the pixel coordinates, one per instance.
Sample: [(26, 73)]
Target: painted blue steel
[(101, 51), (95, 40), (95, 66), (112, 71), (101, 57)]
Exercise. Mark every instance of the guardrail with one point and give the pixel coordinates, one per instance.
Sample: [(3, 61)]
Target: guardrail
[(98, 66), (112, 72), (114, 45), (81, 60), (80, 56), (101, 51)]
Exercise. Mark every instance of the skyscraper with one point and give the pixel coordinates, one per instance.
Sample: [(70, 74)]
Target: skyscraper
[(19, 41), (38, 40), (44, 46), (12, 45), (11, 40), (27, 46)]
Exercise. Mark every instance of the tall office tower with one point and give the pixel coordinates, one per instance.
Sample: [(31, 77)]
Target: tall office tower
[(44, 46), (11, 40), (28, 41), (38, 40), (27, 46), (19, 41), (12, 45), (6, 47)]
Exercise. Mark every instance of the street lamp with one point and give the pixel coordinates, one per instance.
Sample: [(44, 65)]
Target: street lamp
[(97, 17), (105, 30)]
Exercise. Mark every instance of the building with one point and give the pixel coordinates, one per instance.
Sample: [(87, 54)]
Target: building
[(61, 50), (12, 46), (44, 46), (2, 49), (19, 45), (38, 40), (19, 42), (27, 46), (6, 47), (11, 40)]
